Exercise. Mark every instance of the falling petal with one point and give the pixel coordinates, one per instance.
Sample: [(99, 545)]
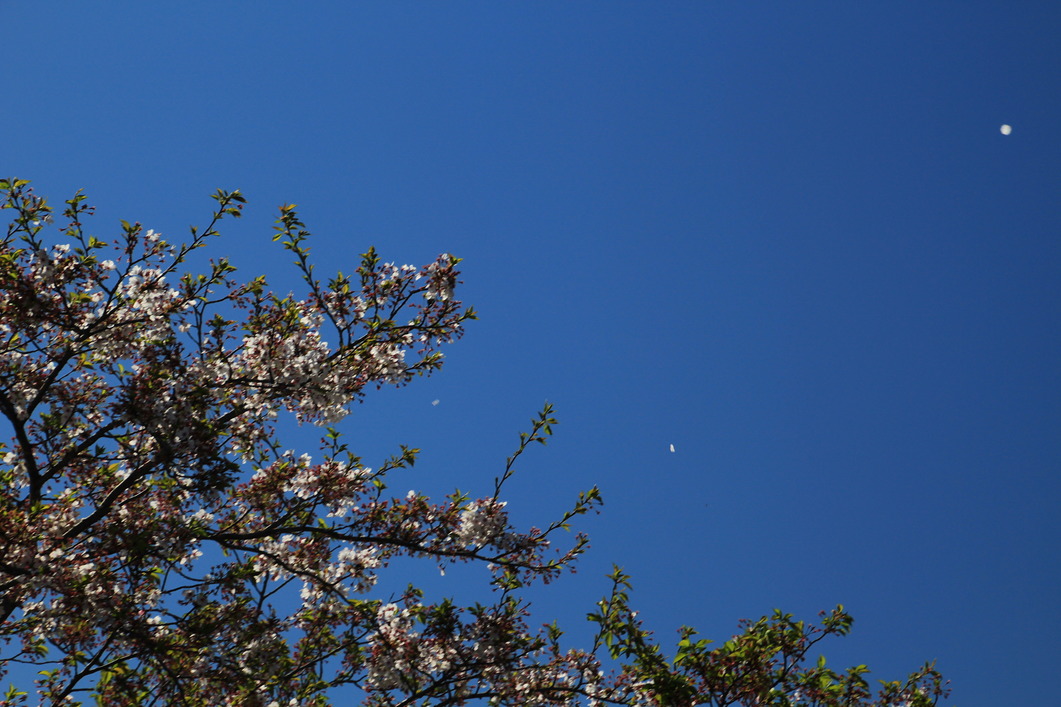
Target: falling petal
[(1006, 129), (672, 447), (434, 402)]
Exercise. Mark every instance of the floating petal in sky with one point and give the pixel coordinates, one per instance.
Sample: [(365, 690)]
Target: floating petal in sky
[(434, 402), (672, 447), (1006, 129)]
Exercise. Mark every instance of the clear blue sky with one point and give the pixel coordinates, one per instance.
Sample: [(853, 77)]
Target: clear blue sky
[(787, 238)]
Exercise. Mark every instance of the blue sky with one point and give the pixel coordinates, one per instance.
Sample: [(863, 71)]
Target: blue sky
[(788, 239)]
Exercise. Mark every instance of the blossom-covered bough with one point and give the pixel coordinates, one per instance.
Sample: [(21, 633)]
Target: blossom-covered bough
[(159, 546)]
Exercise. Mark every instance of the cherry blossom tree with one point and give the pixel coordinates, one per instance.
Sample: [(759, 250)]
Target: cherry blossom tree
[(159, 545)]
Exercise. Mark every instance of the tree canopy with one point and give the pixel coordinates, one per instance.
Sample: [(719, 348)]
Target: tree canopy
[(159, 543)]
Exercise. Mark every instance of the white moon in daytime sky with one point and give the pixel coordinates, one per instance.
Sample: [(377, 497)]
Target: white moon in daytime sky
[(1005, 129)]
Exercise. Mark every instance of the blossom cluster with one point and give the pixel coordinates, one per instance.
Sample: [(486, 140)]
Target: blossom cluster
[(152, 527)]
